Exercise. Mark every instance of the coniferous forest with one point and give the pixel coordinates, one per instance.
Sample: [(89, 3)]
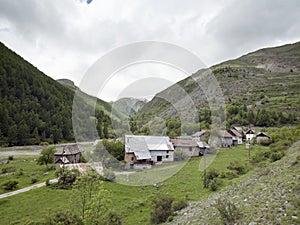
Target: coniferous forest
[(35, 108)]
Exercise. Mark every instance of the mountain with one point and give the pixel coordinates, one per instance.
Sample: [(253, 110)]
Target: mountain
[(129, 106), (35, 108), (260, 88)]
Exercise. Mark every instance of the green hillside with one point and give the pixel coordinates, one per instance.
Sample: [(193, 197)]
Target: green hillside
[(35, 108), (261, 88)]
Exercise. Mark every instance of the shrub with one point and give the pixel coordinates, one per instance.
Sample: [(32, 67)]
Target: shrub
[(66, 178), (62, 218), (180, 205), (211, 174), (109, 175), (162, 210), (9, 169), (228, 211), (230, 174), (11, 157), (34, 180), (276, 156), (238, 167), (44, 143), (20, 172), (214, 184), (113, 219), (10, 185)]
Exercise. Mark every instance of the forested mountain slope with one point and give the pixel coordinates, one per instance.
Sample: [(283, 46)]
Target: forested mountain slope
[(35, 108)]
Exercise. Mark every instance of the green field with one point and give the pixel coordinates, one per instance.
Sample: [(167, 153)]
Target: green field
[(133, 203), (24, 169)]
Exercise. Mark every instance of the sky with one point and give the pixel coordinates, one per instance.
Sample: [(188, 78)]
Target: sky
[(64, 39)]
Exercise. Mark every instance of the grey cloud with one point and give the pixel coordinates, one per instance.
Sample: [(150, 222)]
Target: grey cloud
[(245, 25)]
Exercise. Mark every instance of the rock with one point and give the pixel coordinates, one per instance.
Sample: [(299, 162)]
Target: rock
[(294, 217)]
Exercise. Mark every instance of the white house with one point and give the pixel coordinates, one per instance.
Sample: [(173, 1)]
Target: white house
[(148, 149), (250, 134)]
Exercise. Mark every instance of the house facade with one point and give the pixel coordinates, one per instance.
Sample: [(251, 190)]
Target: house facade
[(226, 139), (250, 134), (68, 154), (187, 145), (263, 138), (148, 149), (237, 138)]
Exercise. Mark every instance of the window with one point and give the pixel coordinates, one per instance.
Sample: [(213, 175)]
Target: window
[(167, 156), (168, 152), (191, 149), (132, 158)]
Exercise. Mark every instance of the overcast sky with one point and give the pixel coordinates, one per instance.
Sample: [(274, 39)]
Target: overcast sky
[(64, 38)]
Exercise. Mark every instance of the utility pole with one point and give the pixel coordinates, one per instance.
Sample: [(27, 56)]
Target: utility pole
[(204, 172)]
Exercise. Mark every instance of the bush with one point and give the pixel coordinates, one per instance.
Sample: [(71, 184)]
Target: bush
[(162, 210), (9, 169), (11, 157), (276, 156), (238, 167), (214, 184), (228, 211), (109, 175), (44, 143), (66, 178), (63, 218), (10, 185), (180, 205), (34, 180), (230, 174), (211, 174)]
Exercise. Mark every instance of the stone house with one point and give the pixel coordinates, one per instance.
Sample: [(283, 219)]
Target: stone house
[(263, 138), (68, 154), (187, 145), (226, 139)]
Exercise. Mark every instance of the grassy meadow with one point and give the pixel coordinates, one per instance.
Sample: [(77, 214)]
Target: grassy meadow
[(132, 203)]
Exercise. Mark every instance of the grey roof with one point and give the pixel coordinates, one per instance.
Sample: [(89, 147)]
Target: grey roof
[(142, 145), (69, 150)]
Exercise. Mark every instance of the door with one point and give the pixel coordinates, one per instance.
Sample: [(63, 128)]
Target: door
[(159, 158)]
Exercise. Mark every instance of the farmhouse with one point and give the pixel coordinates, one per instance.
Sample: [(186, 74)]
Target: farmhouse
[(250, 134), (226, 139), (186, 145), (263, 138), (68, 154), (202, 135), (237, 138), (148, 149)]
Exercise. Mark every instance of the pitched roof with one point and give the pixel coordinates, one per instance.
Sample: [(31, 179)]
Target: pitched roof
[(184, 142), (225, 134), (142, 145), (262, 134), (199, 133), (69, 150), (235, 133), (250, 131)]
